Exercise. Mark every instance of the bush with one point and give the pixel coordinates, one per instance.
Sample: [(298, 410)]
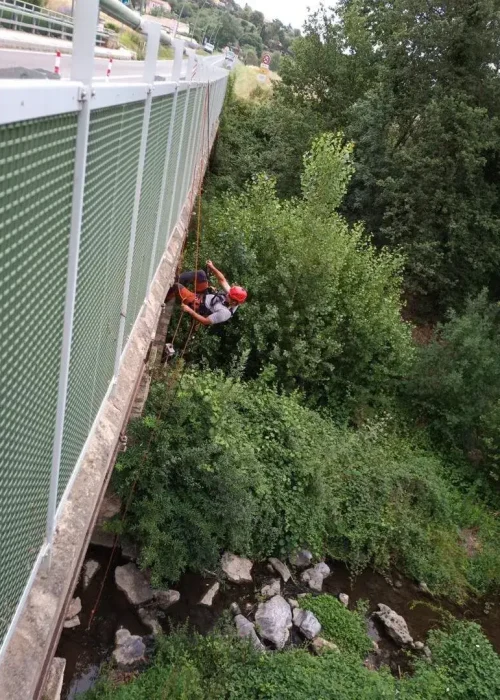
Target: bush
[(237, 466), (324, 306), (464, 667), (275, 61), (454, 387), (344, 627)]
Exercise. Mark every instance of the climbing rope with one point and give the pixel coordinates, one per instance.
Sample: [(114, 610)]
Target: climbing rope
[(166, 405)]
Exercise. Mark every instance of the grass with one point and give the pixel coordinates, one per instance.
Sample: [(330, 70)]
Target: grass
[(246, 81)]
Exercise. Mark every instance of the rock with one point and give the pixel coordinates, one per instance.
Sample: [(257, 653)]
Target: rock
[(90, 568), (150, 621), (307, 623), (344, 599), (246, 630), (235, 609), (422, 586), (321, 645), (130, 550), (74, 609), (270, 569), (273, 588), (303, 595), (134, 584), (314, 577), (281, 568), (370, 664), (394, 624), (418, 646), (293, 603), (301, 559), (427, 652), (376, 648), (237, 569), (129, 651), (73, 622), (274, 620), (398, 583), (209, 596), (164, 599), (121, 636)]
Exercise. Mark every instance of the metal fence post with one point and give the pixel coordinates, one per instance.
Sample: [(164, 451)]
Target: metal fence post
[(178, 59), (163, 188), (82, 66), (178, 164), (153, 44)]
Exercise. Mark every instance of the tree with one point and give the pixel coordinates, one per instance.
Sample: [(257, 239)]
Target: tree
[(328, 318), (454, 386), (249, 56), (275, 62)]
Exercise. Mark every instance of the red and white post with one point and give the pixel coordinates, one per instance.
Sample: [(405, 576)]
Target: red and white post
[(57, 66), (108, 71)]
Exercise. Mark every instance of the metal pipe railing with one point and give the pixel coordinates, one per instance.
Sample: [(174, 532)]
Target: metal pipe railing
[(134, 20)]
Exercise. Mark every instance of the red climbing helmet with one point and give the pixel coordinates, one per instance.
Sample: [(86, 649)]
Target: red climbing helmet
[(238, 294)]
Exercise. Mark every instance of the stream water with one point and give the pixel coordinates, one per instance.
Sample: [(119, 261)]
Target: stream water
[(85, 650)]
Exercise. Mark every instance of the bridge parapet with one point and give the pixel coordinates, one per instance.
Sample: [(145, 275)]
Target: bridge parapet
[(96, 191)]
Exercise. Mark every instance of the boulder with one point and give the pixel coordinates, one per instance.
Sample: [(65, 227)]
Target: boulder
[(129, 651), (73, 622), (134, 584), (164, 599), (395, 625), (293, 603), (281, 568), (246, 630), (74, 609), (307, 623), (274, 620), (237, 569), (150, 621), (90, 568), (418, 646), (320, 645), (344, 599), (272, 589), (209, 596), (314, 577), (301, 559)]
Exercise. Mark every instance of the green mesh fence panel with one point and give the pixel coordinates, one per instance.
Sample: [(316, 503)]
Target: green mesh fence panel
[(112, 163), (36, 182), (159, 124), (167, 219), (178, 199)]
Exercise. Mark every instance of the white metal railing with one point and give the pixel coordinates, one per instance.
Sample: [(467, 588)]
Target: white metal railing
[(169, 121), (24, 16)]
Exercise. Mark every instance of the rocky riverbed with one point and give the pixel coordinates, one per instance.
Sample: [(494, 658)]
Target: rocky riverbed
[(263, 598)]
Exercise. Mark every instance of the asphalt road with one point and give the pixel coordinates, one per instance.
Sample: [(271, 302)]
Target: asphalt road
[(122, 70)]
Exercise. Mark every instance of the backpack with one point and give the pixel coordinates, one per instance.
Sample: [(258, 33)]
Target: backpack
[(206, 310)]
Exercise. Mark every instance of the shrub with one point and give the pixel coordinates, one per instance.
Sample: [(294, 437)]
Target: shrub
[(344, 627), (464, 666), (275, 61), (235, 465), (454, 387)]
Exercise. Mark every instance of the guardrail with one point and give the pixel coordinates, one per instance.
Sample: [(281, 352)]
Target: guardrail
[(26, 17), (93, 178)]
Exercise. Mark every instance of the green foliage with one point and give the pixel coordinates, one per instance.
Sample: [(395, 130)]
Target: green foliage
[(275, 61), (249, 56), (344, 627), (464, 667), (327, 317), (236, 466), (454, 385)]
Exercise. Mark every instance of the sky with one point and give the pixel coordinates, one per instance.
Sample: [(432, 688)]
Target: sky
[(288, 11)]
